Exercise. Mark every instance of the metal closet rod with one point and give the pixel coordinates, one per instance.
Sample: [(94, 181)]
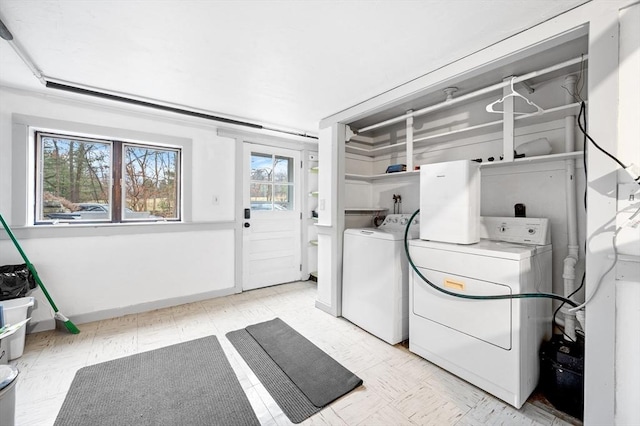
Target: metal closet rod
[(471, 95)]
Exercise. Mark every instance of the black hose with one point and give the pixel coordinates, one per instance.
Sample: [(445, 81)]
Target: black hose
[(475, 297)]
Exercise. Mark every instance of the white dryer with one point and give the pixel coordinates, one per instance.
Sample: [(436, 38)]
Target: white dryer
[(492, 344), (375, 278)]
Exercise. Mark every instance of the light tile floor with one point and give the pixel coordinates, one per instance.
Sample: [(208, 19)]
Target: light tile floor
[(399, 388)]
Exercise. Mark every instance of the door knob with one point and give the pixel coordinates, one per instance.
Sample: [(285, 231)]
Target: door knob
[(247, 224)]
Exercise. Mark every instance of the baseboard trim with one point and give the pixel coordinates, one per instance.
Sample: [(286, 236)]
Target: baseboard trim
[(326, 308), (50, 324)]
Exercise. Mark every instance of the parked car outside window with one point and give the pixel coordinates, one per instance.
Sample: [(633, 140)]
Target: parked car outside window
[(96, 211)]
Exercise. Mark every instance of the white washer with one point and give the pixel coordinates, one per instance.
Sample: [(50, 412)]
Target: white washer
[(492, 344), (375, 278)]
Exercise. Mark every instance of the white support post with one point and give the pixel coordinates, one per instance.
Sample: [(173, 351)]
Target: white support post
[(508, 124), (410, 141)]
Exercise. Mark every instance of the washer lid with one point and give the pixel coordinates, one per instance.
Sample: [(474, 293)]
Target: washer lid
[(8, 373), (377, 233), (486, 248)]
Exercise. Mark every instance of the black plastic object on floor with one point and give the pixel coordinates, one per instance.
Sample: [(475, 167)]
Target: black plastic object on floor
[(562, 374), (15, 281)]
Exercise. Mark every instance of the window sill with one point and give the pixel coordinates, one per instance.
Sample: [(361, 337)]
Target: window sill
[(108, 229)]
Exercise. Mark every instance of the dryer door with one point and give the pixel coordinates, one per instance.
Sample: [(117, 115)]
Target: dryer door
[(486, 320)]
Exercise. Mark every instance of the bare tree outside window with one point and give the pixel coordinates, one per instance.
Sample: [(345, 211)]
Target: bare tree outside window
[(150, 180), (271, 182)]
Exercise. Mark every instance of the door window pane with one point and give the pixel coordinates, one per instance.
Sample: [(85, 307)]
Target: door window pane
[(283, 169), (283, 197), (271, 182), (261, 167), (261, 196)]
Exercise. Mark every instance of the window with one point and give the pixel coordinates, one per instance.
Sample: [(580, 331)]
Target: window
[(93, 180), (271, 182)]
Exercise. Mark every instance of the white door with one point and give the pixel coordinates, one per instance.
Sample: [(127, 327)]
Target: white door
[(271, 249)]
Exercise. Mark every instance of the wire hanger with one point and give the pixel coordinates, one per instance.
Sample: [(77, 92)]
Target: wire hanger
[(490, 107)]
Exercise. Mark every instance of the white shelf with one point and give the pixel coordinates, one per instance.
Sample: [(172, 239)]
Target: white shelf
[(365, 209), (369, 178), (533, 160), (516, 162), (550, 114)]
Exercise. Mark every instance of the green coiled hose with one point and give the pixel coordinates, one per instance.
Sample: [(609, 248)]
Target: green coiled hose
[(470, 296)]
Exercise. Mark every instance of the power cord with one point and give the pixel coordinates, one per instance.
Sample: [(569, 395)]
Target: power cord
[(555, 313), (582, 124), (582, 115)]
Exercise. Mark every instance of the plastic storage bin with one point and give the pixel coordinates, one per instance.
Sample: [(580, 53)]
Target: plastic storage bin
[(16, 310), (8, 380)]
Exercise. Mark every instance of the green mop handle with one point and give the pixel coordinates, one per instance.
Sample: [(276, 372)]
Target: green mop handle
[(31, 268)]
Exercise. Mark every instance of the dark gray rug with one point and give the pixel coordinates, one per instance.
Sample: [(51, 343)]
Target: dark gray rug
[(190, 383), (300, 377)]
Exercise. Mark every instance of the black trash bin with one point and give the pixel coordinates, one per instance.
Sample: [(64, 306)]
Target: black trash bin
[(15, 281)]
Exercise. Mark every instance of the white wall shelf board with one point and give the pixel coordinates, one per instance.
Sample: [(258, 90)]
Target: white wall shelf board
[(491, 164), (532, 160), (365, 209), (365, 178), (358, 150)]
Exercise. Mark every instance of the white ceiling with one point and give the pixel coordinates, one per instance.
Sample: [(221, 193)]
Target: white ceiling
[(281, 63)]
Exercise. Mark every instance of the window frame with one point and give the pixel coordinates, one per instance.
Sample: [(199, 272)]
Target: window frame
[(123, 197), (39, 174), (23, 175), (117, 192), (272, 182)]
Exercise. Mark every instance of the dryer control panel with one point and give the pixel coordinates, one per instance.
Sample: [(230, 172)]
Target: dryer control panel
[(522, 230)]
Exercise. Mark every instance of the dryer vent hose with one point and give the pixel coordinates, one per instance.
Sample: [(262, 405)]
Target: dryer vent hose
[(470, 296)]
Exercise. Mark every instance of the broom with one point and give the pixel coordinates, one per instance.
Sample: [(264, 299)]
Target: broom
[(57, 315)]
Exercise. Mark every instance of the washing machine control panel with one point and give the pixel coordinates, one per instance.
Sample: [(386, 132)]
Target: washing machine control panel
[(398, 223), (522, 230)]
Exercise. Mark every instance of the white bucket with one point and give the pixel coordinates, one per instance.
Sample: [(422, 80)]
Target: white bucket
[(8, 379), (15, 310)]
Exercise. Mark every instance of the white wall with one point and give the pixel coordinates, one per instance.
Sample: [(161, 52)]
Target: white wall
[(103, 272), (628, 288)]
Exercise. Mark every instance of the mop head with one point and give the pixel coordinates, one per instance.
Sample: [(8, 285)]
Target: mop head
[(66, 322)]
